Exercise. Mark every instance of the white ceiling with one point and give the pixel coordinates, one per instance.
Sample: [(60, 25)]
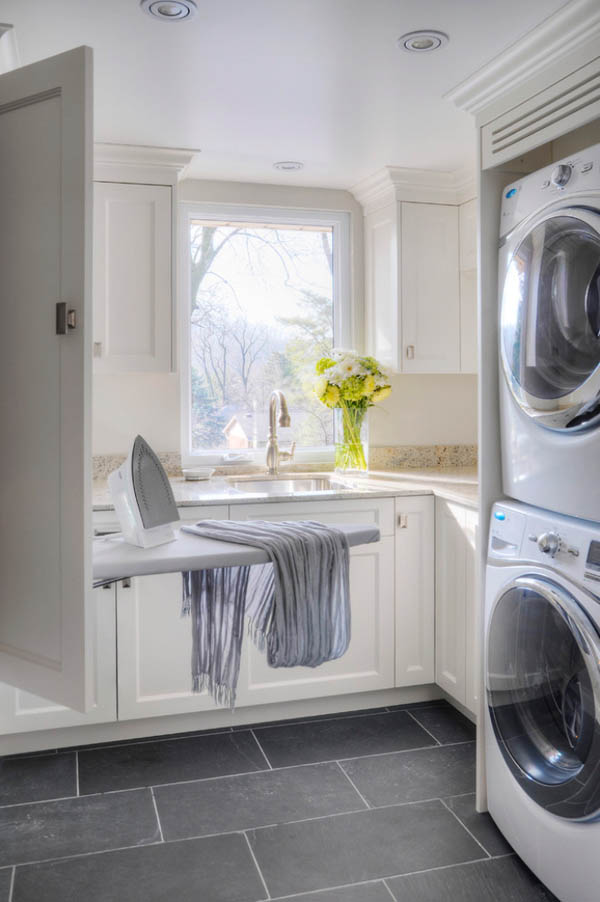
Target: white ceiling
[(254, 81)]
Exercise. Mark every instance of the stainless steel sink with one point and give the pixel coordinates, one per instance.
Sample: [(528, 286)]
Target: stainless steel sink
[(291, 486)]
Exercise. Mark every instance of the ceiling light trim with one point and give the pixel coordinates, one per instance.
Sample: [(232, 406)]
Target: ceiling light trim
[(187, 9), (288, 165), (560, 35), (430, 37)]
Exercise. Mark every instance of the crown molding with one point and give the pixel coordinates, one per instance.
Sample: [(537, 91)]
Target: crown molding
[(560, 35), (122, 162), (394, 183), (9, 49)]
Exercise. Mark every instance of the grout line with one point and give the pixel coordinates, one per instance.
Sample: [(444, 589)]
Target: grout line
[(326, 889), (424, 728), (12, 884), (77, 773), (481, 846), (318, 718), (256, 864), (353, 784), (392, 896), (170, 737), (162, 839), (246, 773), (269, 765)]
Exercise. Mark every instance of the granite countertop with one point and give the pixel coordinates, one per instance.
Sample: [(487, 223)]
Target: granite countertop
[(453, 483)]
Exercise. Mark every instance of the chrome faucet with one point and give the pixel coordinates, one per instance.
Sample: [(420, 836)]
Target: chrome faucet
[(274, 455)]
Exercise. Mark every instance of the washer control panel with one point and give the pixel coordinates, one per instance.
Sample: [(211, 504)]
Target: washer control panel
[(522, 533)]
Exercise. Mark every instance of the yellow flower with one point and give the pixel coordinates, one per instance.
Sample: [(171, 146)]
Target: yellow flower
[(368, 385), (332, 396), (382, 393), (320, 386)]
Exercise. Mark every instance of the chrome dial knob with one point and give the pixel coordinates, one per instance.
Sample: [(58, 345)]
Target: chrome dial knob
[(549, 543), (561, 175)]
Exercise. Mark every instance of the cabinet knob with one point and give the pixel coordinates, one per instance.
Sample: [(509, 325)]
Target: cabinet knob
[(97, 349), (402, 521), (410, 352)]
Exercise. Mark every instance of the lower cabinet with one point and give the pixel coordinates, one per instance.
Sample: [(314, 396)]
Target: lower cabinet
[(415, 590), (21, 712), (456, 642)]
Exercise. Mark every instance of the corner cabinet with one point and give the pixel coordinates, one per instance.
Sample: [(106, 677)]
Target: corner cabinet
[(456, 626), (421, 286)]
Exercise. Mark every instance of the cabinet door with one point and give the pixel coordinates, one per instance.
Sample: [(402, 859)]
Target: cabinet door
[(21, 712), (46, 602), (132, 278), (430, 289), (415, 591), (369, 662), (450, 603), (468, 286), (381, 285), (155, 642), (474, 607)]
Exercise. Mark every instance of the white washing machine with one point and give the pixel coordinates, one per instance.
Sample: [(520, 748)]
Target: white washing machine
[(542, 666), (549, 290)]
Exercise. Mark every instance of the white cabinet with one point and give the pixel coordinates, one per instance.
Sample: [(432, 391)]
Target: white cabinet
[(155, 642), (22, 712), (369, 662), (456, 643), (133, 307), (421, 286), (430, 302), (468, 286), (415, 590)]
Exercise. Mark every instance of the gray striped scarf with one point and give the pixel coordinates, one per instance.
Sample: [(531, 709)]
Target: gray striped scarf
[(298, 605)]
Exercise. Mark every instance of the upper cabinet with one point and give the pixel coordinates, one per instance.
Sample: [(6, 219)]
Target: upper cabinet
[(134, 252), (132, 278), (421, 277)]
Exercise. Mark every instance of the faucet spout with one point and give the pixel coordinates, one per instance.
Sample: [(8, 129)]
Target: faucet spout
[(274, 455)]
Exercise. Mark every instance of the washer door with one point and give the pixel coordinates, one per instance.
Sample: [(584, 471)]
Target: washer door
[(543, 691), (550, 320)]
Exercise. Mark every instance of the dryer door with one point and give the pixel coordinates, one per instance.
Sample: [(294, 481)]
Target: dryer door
[(543, 692), (550, 320)]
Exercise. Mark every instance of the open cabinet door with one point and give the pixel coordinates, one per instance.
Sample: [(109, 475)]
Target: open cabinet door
[(45, 378)]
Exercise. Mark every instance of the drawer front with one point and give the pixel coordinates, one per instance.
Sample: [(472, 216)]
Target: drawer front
[(379, 511)]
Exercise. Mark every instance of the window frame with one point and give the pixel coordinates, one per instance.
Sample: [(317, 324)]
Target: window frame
[(339, 222)]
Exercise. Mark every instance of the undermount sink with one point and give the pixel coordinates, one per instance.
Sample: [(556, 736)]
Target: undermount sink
[(277, 485)]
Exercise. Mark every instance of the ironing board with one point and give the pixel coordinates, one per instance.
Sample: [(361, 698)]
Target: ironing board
[(113, 559)]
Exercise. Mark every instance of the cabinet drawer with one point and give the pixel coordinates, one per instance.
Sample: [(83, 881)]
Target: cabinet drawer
[(379, 511)]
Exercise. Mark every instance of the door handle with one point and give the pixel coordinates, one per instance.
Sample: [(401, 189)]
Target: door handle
[(66, 319)]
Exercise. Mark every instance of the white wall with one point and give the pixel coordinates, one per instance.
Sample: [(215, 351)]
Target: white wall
[(130, 403), (427, 410)]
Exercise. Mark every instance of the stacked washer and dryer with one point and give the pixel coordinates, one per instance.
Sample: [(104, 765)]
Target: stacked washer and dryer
[(542, 598)]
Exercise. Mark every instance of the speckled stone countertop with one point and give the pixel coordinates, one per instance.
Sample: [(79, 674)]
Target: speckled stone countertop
[(453, 483)]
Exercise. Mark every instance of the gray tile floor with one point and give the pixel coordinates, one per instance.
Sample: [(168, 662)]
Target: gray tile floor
[(366, 807)]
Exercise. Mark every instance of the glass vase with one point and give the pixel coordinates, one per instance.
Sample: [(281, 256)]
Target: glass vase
[(351, 425)]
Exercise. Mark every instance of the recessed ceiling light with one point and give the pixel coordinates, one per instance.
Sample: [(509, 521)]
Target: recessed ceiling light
[(288, 165), (422, 41), (170, 10)]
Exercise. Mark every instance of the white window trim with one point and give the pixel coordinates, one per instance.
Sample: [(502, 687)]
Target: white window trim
[(342, 313)]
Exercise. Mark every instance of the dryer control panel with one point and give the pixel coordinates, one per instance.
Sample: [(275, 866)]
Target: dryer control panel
[(578, 174), (519, 533)]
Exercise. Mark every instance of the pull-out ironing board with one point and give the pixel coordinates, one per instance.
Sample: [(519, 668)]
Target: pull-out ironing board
[(114, 559)]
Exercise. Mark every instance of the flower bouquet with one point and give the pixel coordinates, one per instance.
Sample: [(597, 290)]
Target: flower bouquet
[(350, 384)]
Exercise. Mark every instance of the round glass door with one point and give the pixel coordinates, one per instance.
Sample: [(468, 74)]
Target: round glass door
[(543, 692), (550, 321)]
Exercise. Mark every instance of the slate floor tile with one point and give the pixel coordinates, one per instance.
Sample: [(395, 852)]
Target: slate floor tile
[(481, 826), (168, 761), (352, 848), (254, 800), (216, 869), (346, 737), (5, 880), (361, 892), (36, 778), (76, 826), (414, 776), (445, 723), (495, 880)]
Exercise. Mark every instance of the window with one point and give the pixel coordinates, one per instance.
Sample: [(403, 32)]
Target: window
[(266, 297)]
